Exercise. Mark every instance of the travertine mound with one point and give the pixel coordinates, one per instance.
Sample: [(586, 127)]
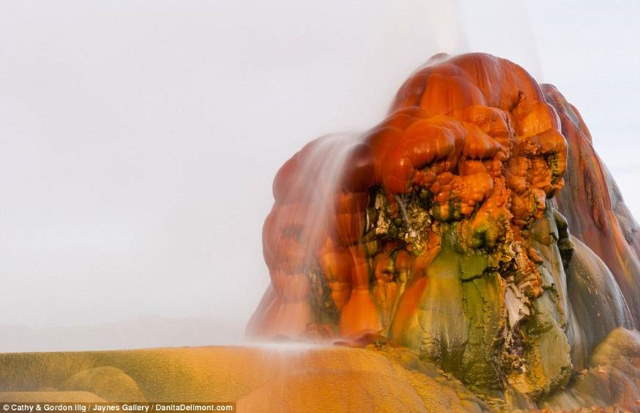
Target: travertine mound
[(106, 382), (473, 244), (448, 229)]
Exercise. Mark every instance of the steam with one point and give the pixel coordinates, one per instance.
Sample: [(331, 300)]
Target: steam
[(153, 148)]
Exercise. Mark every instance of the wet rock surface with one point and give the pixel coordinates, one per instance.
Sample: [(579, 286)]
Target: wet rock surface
[(448, 229), (470, 253)]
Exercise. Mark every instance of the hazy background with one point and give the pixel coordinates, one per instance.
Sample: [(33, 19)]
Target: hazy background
[(139, 139)]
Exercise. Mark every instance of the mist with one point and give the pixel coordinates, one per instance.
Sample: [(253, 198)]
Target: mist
[(140, 139)]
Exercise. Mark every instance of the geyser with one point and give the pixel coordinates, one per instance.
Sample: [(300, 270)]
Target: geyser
[(472, 243), (438, 231)]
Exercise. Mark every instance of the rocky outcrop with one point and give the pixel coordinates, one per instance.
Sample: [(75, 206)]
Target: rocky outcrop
[(472, 243), (611, 379), (594, 207), (451, 229)]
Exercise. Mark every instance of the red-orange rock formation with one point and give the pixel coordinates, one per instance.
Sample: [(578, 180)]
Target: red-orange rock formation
[(437, 240), (436, 230), (593, 205)]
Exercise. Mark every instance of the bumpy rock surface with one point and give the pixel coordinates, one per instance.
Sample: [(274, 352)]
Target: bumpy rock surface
[(438, 231), (107, 382), (473, 244)]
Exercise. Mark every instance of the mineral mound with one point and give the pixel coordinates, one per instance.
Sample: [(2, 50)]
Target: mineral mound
[(472, 243), (475, 226)]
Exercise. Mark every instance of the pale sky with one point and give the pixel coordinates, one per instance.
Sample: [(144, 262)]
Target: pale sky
[(139, 139)]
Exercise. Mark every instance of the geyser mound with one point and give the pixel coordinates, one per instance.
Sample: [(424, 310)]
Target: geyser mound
[(438, 231), (472, 242)]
